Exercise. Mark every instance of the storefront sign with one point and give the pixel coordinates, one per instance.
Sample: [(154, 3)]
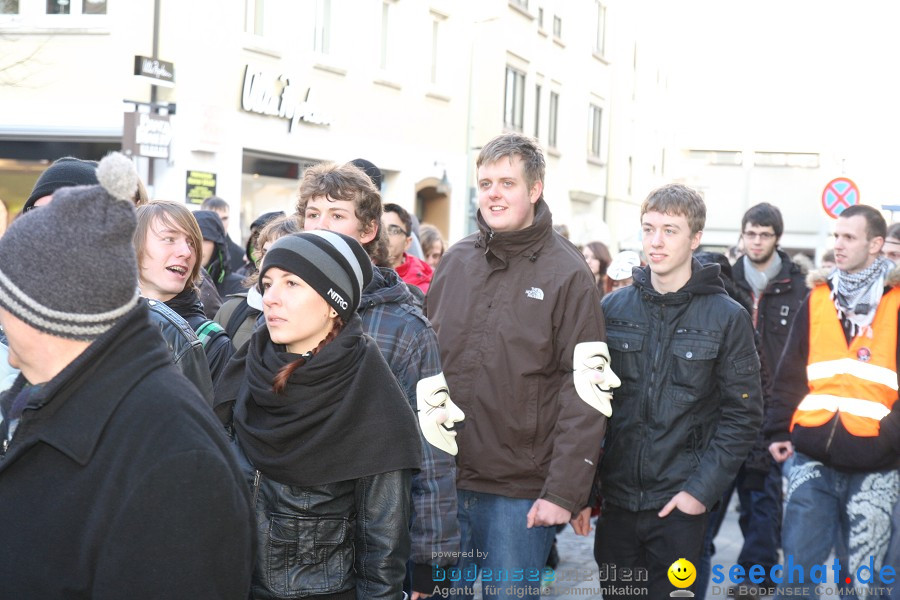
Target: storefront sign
[(159, 72), (267, 93), (146, 134), (200, 186)]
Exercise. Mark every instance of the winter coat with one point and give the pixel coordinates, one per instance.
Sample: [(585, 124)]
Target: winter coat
[(777, 307), (341, 531), (509, 309), (690, 403), (118, 482), (415, 271), (184, 346), (216, 344)]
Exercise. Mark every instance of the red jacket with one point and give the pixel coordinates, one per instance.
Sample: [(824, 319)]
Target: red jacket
[(415, 271)]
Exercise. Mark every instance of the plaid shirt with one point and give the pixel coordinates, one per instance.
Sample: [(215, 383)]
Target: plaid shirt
[(410, 347)]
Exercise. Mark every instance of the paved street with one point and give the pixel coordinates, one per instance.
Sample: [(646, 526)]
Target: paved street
[(576, 556), (577, 574)]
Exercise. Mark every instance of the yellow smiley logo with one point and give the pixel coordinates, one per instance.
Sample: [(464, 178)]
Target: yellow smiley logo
[(682, 573)]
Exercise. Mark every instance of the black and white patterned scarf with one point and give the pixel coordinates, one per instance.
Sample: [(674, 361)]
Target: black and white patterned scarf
[(856, 295)]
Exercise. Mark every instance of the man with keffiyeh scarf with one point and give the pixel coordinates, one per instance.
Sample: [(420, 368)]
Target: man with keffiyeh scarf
[(835, 405)]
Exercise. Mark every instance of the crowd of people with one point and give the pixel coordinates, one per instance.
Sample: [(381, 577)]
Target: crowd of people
[(344, 407)]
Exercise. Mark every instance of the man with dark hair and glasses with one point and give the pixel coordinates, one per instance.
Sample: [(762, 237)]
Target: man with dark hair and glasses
[(397, 224), (777, 286)]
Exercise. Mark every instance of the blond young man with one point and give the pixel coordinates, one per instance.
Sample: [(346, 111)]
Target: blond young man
[(690, 403)]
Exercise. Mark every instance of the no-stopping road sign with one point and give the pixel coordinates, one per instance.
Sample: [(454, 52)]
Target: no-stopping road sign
[(838, 195)]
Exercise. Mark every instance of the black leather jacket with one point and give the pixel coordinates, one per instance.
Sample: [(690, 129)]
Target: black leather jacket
[(690, 403), (186, 350), (349, 536)]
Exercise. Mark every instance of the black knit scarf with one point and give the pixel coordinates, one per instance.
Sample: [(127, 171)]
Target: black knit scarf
[(341, 416), (187, 303)]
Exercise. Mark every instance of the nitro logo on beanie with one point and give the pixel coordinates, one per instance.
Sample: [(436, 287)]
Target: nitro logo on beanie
[(333, 264), (338, 298)]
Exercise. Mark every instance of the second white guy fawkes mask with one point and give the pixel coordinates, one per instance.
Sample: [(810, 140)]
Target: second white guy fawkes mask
[(594, 379), (437, 413)]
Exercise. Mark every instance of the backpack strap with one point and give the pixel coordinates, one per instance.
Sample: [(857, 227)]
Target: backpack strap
[(208, 331), (237, 318)]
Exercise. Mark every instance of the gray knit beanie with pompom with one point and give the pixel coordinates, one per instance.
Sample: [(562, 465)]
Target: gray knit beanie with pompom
[(69, 268)]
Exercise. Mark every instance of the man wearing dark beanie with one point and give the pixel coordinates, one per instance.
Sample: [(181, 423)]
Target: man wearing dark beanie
[(65, 172), (110, 452)]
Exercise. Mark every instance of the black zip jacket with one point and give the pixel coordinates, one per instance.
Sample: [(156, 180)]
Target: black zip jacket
[(690, 403), (777, 307)]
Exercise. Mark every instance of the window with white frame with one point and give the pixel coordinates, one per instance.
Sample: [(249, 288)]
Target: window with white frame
[(322, 32), (514, 103), (600, 29), (437, 21), (557, 27), (553, 119), (596, 129), (385, 56), (75, 7), (537, 111), (9, 7), (540, 18), (254, 17)]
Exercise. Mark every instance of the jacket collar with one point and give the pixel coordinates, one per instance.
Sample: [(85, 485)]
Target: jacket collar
[(528, 241), (788, 268), (71, 411), (704, 280), (386, 287)]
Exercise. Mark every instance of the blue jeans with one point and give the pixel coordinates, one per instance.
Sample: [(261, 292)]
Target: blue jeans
[(822, 504), (495, 543)]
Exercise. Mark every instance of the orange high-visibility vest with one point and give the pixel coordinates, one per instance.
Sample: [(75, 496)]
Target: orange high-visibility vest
[(859, 381)]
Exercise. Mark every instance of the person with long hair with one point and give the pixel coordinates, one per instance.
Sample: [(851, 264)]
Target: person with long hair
[(322, 430), (432, 244), (598, 259)]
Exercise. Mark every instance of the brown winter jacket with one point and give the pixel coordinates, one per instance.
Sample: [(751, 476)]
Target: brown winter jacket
[(509, 309)]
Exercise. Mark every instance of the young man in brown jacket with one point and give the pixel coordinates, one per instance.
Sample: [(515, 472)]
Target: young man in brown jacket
[(520, 329)]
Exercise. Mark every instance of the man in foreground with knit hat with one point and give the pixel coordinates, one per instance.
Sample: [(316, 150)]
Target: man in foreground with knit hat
[(185, 348), (115, 478), (835, 410)]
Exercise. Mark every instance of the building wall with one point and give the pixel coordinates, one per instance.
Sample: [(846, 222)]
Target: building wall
[(77, 77)]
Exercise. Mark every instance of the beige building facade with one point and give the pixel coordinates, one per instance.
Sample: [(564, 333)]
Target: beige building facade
[(258, 90)]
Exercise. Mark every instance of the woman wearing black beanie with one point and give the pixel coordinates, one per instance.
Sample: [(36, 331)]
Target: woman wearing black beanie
[(322, 429)]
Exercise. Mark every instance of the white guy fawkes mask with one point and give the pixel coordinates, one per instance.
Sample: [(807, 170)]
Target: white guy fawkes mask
[(594, 379), (437, 413)]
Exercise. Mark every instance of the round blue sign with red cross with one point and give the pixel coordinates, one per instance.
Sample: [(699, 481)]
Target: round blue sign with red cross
[(839, 194)]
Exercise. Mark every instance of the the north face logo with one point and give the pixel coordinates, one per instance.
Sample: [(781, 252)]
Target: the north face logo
[(536, 293)]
